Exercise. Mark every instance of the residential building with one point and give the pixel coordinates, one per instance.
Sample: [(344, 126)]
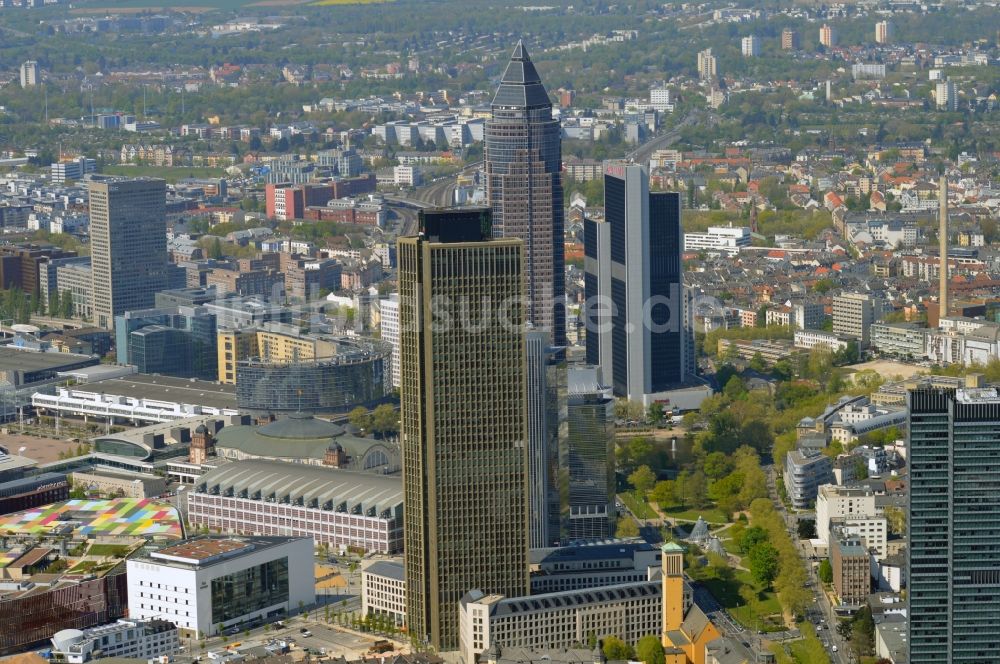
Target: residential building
[(389, 333), (465, 465), (707, 67), (522, 162), (750, 46), (632, 260), (868, 71), (659, 99), (587, 469), (834, 501), (828, 36), (952, 440), (331, 505), (883, 32), (30, 74), (718, 239), (790, 40), (128, 246), (852, 578), (805, 472), (946, 96), (557, 620), (208, 584), (854, 314), (132, 639)]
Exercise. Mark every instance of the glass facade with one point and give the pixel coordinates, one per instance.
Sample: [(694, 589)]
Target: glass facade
[(665, 352), (337, 383), (954, 525), (253, 589), (586, 457)]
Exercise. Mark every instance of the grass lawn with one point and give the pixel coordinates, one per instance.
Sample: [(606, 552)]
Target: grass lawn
[(684, 513), (809, 649), (170, 174), (640, 508), (116, 550), (83, 566)]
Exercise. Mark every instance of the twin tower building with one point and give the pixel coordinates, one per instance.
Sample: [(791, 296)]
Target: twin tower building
[(493, 462)]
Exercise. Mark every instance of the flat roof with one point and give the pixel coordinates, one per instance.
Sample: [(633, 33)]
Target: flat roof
[(203, 549), (167, 388), (13, 359)]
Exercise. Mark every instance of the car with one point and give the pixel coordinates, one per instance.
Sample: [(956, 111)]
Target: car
[(307, 633)]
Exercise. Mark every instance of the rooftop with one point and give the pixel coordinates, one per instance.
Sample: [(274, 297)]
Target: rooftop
[(12, 359), (167, 388), (521, 86), (390, 569), (202, 550), (597, 550)]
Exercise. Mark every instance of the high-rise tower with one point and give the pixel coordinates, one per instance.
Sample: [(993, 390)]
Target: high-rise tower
[(523, 163), (637, 319), (463, 418), (128, 244), (954, 518)]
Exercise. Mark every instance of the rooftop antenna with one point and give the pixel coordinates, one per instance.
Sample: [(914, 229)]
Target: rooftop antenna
[(943, 244)]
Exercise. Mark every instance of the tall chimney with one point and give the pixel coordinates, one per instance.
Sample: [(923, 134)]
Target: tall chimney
[(943, 239)]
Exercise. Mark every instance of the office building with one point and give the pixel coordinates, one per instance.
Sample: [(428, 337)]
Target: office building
[(333, 506), (750, 46), (954, 565), (543, 415), (463, 418), (29, 74), (133, 639), (854, 314), (718, 240), (790, 40), (383, 590), (128, 253), (833, 502), (389, 327), (172, 341), (883, 32), (707, 68), (26, 492), (587, 458), (523, 162), (946, 96), (805, 472), (65, 171), (632, 260), (207, 583), (852, 578), (557, 620), (828, 36), (25, 265)]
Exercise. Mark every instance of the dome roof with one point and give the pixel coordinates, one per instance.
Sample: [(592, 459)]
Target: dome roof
[(300, 426), (201, 429)]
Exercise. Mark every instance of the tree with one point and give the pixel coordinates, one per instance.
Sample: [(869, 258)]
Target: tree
[(385, 419), (615, 648), (764, 563), (752, 536), (863, 632), (664, 494), (627, 527), (806, 529), (694, 490), (717, 465), (757, 363), (650, 650), (360, 418), (896, 519), (826, 571), (216, 250), (655, 413), (640, 451), (642, 479)]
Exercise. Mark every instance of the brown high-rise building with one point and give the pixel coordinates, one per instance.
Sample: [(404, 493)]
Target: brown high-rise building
[(523, 162), (463, 418)]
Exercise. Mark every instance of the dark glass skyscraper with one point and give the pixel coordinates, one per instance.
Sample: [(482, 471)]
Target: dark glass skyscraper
[(632, 262), (954, 525), (523, 163)]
